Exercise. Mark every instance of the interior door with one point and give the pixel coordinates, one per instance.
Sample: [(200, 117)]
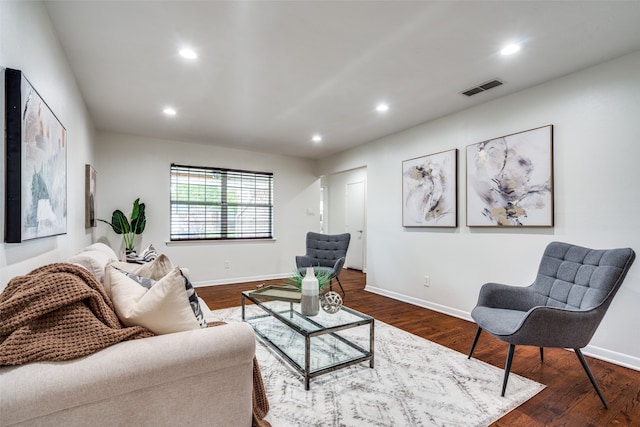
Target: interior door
[(356, 225)]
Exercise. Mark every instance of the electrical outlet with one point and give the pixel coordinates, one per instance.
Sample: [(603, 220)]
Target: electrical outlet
[(227, 264), (427, 281)]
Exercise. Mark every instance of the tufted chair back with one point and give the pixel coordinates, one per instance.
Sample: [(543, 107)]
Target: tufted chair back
[(577, 278), (325, 249)]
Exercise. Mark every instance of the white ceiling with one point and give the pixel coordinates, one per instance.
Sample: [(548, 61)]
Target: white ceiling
[(270, 74)]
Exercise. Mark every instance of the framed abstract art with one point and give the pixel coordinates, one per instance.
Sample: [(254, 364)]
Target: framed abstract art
[(36, 173), (510, 180), (430, 190)]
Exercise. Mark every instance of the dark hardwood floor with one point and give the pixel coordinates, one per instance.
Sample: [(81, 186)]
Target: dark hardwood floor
[(568, 399)]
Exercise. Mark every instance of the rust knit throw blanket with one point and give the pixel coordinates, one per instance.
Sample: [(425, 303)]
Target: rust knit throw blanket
[(58, 312)]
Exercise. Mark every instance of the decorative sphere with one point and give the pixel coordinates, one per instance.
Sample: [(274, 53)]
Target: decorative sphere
[(331, 302)]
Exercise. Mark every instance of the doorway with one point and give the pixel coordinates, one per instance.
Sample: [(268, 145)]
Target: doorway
[(355, 202), (344, 210)]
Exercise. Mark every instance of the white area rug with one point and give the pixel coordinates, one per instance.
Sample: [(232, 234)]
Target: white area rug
[(415, 382)]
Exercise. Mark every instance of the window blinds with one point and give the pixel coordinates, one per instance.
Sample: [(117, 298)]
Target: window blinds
[(215, 203)]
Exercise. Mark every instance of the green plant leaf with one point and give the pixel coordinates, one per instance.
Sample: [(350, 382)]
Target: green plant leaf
[(138, 218), (118, 222), (135, 212), (296, 278)]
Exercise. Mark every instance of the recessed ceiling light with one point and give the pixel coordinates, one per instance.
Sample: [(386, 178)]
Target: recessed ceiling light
[(188, 53), (510, 49), (169, 111), (316, 138), (382, 107)]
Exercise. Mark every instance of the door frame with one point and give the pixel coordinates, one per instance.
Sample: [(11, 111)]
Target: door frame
[(364, 219)]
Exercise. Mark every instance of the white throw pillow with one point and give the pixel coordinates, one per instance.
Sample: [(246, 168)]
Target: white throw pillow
[(94, 261), (155, 269), (163, 309), (101, 247)]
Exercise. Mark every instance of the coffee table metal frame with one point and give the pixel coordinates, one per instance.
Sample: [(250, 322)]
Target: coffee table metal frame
[(286, 316)]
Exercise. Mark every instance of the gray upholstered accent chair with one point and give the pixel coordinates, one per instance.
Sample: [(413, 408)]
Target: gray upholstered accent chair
[(562, 308), (325, 253)]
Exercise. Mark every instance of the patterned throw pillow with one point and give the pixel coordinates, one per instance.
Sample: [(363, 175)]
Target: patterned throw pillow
[(147, 255), (147, 282), (193, 300)]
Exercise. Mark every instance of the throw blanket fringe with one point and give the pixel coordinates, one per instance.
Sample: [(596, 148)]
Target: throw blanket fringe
[(58, 312)]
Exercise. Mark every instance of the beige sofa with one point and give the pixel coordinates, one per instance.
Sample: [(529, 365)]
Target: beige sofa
[(200, 377)]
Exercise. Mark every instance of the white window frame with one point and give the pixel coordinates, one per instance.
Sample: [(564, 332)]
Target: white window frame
[(210, 203)]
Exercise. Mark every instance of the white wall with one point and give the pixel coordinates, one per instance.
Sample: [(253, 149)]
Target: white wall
[(596, 115), (130, 167), (28, 43)]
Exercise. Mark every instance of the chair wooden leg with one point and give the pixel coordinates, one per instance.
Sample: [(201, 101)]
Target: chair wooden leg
[(507, 367), (475, 341), (541, 355), (590, 375)]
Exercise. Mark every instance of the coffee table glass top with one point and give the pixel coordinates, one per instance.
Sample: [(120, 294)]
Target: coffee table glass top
[(285, 307), (312, 344)]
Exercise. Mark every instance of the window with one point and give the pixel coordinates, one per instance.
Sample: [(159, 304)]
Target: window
[(224, 204)]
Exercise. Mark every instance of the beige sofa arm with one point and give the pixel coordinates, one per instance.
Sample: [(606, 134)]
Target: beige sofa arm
[(199, 377)]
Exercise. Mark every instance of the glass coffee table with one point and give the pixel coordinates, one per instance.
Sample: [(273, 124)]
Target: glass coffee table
[(312, 345)]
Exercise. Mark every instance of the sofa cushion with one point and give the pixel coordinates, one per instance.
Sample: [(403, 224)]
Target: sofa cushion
[(163, 309)]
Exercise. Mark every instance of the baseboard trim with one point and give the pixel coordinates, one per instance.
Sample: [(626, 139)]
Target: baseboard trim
[(233, 280), (421, 303), (614, 357), (610, 356)]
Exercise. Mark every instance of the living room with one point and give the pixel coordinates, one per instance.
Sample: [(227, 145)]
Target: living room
[(593, 110)]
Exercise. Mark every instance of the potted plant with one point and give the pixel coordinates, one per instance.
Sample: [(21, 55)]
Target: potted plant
[(322, 276), (128, 227)]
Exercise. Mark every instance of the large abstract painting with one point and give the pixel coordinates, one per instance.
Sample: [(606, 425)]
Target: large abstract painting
[(36, 181), (429, 190), (510, 180)]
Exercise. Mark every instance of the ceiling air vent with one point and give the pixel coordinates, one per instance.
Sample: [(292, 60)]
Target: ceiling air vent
[(482, 87)]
